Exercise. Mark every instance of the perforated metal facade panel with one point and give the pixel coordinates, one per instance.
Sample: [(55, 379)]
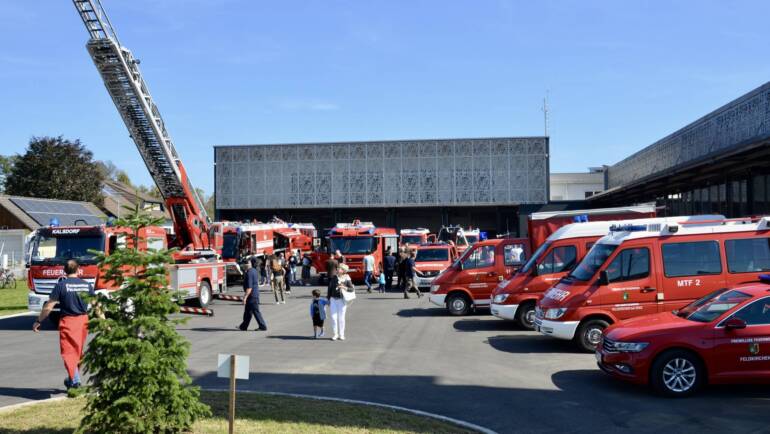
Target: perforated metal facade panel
[(457, 172)]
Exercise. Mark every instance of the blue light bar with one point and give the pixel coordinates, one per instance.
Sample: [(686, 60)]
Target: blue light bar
[(764, 278)]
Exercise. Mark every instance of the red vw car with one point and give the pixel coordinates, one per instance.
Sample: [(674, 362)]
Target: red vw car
[(721, 338)]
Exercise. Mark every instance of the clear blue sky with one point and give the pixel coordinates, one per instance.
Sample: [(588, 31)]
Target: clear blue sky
[(621, 74)]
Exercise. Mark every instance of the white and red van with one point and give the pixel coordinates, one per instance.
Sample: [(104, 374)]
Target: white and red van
[(432, 259), (640, 269), (469, 282)]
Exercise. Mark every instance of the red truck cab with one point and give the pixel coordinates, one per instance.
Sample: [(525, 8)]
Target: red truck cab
[(412, 238), (644, 269), (721, 338), (469, 282), (358, 239), (431, 260), (461, 238)]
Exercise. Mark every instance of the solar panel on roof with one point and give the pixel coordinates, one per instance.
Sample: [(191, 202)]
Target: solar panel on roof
[(42, 211)]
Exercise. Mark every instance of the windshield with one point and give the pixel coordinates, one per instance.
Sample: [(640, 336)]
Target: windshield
[(593, 260), (535, 256), (713, 305), (428, 255), (472, 239), (411, 239), (230, 246), (352, 245), (57, 250), (447, 236)]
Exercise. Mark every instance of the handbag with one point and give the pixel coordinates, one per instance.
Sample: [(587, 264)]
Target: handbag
[(348, 296)]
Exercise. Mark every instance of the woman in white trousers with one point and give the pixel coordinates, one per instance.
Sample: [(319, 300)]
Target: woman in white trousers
[(337, 304)]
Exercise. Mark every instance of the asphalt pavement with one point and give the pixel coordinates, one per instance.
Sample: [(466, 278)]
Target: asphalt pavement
[(412, 354)]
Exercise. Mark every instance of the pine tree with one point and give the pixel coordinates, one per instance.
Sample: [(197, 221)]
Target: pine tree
[(137, 361)]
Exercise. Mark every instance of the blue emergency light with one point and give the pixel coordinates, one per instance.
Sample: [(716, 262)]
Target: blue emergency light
[(582, 218), (764, 278), (482, 235), (53, 222)]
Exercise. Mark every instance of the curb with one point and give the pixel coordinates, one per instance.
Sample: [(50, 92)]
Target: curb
[(28, 403), (458, 422), (13, 315)]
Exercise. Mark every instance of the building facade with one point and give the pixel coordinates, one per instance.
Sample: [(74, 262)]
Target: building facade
[(717, 164), (577, 185), (391, 182)]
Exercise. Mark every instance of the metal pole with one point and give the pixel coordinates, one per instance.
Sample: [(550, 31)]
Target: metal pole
[(232, 393)]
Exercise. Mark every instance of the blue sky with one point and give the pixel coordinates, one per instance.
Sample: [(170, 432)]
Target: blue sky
[(620, 74)]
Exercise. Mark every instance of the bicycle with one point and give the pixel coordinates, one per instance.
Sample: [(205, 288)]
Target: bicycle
[(7, 279)]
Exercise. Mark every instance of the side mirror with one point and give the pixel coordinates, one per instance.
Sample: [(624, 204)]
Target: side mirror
[(604, 279), (735, 324)]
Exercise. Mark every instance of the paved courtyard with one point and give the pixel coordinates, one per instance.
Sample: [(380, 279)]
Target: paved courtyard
[(410, 353)]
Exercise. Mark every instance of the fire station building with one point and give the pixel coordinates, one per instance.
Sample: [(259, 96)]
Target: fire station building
[(717, 164), (483, 182)]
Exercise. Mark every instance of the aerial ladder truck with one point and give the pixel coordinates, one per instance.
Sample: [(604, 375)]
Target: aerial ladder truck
[(198, 272)]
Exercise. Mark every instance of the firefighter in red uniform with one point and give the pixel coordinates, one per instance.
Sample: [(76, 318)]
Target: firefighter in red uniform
[(73, 326)]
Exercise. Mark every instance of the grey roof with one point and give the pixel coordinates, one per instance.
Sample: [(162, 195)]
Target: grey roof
[(35, 212)]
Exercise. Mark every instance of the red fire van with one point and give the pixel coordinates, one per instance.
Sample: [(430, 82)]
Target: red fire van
[(432, 259), (649, 268), (721, 338)]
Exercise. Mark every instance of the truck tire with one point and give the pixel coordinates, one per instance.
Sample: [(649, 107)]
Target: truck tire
[(204, 295), (525, 316), (458, 304), (677, 373), (589, 334), (54, 317)]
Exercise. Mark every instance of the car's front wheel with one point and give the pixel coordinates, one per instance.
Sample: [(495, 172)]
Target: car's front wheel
[(458, 304), (590, 334), (677, 373), (525, 316)]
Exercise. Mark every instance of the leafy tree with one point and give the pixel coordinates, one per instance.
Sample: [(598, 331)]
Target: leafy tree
[(136, 359), (6, 164), (208, 202), (56, 168)]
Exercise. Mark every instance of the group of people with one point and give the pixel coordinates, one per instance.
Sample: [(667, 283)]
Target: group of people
[(281, 273), (402, 265)]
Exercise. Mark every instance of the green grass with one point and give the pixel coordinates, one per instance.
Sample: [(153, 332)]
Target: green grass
[(255, 413), (14, 300)]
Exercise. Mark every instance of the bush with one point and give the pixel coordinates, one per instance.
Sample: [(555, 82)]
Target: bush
[(137, 361)]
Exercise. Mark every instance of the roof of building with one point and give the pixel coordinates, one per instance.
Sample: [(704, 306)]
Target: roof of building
[(34, 212)]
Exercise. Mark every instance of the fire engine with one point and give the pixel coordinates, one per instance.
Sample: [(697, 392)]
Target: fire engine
[(414, 237), (461, 238), (356, 240), (197, 272)]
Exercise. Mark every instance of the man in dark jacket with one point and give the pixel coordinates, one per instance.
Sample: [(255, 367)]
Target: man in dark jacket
[(251, 299), (409, 273), (389, 267)]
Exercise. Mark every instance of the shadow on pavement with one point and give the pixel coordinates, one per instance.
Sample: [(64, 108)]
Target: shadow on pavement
[(481, 325), (292, 337), (27, 393), (24, 323), (420, 312), (212, 329), (583, 401), (531, 343)]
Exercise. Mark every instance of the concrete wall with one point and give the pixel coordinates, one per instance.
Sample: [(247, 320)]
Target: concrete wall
[(573, 186), (12, 247)]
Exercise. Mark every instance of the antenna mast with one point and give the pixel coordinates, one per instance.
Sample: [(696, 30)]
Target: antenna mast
[(545, 114)]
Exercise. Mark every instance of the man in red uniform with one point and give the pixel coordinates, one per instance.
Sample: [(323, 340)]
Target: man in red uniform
[(73, 326)]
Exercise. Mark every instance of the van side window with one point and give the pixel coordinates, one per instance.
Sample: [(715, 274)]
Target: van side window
[(756, 313), (480, 257), (630, 264), (514, 254), (560, 259), (589, 245), (691, 259), (748, 255)]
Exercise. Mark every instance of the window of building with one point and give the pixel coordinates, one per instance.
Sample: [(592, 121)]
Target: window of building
[(559, 260), (691, 259), (748, 255), (630, 264)]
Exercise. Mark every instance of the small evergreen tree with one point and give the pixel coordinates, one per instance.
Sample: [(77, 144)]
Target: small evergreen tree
[(136, 360)]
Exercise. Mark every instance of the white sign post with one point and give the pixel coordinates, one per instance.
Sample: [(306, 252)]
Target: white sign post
[(232, 366)]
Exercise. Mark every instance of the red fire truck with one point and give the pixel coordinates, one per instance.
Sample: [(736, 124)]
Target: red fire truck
[(356, 240), (198, 271), (414, 237), (459, 237)]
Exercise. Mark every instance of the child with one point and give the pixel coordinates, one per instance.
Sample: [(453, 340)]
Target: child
[(318, 313), (381, 288)]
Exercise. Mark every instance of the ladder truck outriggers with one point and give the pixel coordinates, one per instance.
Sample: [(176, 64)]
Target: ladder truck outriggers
[(198, 271)]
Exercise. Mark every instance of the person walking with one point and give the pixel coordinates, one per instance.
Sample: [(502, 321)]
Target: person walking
[(277, 282), (318, 313), (337, 304), (401, 264), (251, 299), (306, 263), (381, 281), (287, 277), (73, 325), (293, 262), (368, 271), (409, 274), (332, 265), (389, 267), (262, 262)]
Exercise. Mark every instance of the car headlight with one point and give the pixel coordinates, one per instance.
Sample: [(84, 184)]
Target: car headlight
[(630, 347), (555, 313), (499, 298), (434, 288)]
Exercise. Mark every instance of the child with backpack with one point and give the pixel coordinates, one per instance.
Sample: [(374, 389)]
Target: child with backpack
[(318, 313)]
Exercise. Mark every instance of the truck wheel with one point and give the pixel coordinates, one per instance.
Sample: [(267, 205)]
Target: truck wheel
[(590, 334), (458, 305), (677, 373), (204, 294), (54, 317), (525, 316)]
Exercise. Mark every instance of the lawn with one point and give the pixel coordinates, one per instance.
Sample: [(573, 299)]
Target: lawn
[(14, 300), (254, 413)]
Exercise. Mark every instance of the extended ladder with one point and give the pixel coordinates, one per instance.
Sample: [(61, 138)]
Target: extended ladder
[(124, 82)]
